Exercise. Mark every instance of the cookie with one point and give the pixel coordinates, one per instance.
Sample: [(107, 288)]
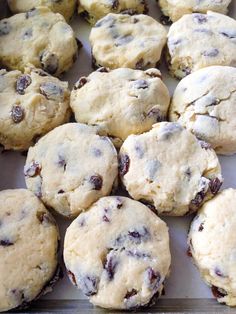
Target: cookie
[(204, 103), (31, 104), (37, 37), (212, 241), (71, 167), (207, 39), (176, 9), (94, 10), (118, 253), (122, 101), (64, 7), (28, 249), (169, 169), (127, 41)]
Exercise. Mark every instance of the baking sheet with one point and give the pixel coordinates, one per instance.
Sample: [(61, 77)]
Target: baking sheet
[(184, 281)]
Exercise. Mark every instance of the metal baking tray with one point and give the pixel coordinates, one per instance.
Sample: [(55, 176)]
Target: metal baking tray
[(185, 291)]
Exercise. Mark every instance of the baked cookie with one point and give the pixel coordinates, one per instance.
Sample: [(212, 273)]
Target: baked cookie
[(64, 7), (28, 249), (170, 169), (118, 253), (207, 39), (94, 10), (127, 41), (122, 101), (38, 37), (71, 167), (176, 9), (31, 104), (212, 241), (204, 103)]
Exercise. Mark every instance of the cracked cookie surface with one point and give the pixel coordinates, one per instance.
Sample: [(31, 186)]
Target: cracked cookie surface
[(204, 103), (71, 167), (116, 241), (170, 169), (208, 39), (127, 41), (212, 242), (28, 248), (31, 104)]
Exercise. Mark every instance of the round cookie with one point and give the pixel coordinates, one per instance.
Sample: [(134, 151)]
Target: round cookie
[(64, 7), (122, 101), (28, 249), (31, 104), (212, 241), (118, 253), (37, 37), (207, 39), (176, 9), (127, 41), (204, 103), (94, 10), (71, 167), (169, 169)]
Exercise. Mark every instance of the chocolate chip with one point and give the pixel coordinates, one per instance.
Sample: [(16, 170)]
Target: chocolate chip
[(153, 278), (139, 235), (96, 182), (130, 294), (155, 114), (80, 83), (199, 18), (32, 170), (46, 218), (30, 13), (140, 84), (72, 277), (215, 185), (6, 242), (211, 52), (89, 285), (51, 91), (201, 227), (110, 266), (139, 65), (17, 114), (115, 4), (22, 83), (5, 28), (165, 20), (49, 62), (218, 292), (124, 163)]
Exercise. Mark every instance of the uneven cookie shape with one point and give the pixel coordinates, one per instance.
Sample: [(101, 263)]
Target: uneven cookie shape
[(31, 104), (204, 103), (37, 37), (169, 169), (122, 101), (94, 10), (127, 41), (212, 241), (71, 167), (28, 249), (176, 9), (64, 7), (207, 39), (118, 253)]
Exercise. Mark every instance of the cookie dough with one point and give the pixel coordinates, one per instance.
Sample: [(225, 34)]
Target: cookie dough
[(94, 10), (200, 40), (40, 38), (28, 249), (122, 101), (71, 167), (169, 169), (204, 103), (176, 9), (64, 7), (31, 104), (118, 253), (127, 41), (212, 241)]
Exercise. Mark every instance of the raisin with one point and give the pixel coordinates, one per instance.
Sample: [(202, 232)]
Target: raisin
[(124, 163), (189, 253), (155, 114), (201, 227), (51, 91), (139, 235), (44, 217), (204, 144), (72, 277), (215, 185), (96, 181), (131, 293), (105, 218), (22, 83), (6, 243), (81, 82), (89, 285), (5, 28), (110, 266), (49, 62), (218, 292), (61, 192), (153, 278), (218, 272), (17, 114), (139, 65), (199, 18), (32, 170)]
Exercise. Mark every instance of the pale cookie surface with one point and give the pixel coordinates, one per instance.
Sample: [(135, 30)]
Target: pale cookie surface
[(207, 39), (37, 37), (28, 249), (122, 101), (31, 104), (131, 41), (94, 10), (212, 241), (204, 103), (175, 9), (118, 253), (64, 7), (170, 169), (71, 167)]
